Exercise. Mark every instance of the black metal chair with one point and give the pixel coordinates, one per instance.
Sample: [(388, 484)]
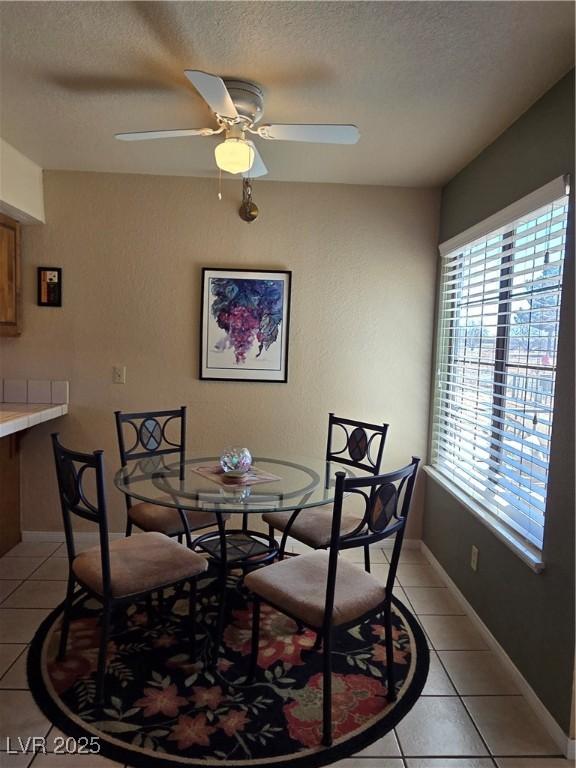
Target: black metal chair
[(322, 591), (124, 570), (152, 437), (355, 444)]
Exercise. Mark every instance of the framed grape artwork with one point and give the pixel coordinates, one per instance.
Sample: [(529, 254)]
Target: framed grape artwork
[(244, 325)]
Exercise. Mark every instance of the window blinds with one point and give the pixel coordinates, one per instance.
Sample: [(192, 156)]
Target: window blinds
[(496, 363)]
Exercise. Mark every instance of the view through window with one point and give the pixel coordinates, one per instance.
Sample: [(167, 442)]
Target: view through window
[(498, 336)]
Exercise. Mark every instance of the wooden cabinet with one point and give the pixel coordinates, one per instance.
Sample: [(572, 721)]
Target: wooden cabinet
[(10, 298), (10, 496)]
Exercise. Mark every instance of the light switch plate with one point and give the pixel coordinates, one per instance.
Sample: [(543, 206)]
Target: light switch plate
[(119, 374)]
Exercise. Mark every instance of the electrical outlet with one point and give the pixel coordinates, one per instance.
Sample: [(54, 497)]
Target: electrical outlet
[(474, 558), (119, 374)]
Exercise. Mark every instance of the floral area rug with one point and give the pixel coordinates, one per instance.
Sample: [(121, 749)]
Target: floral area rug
[(164, 708)]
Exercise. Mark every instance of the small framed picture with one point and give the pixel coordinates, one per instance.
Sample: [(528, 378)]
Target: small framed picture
[(49, 286), (244, 325)]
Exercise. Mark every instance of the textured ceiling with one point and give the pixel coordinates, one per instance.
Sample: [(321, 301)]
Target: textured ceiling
[(428, 83)]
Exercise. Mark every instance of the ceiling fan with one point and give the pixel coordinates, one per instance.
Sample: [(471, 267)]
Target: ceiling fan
[(238, 106)]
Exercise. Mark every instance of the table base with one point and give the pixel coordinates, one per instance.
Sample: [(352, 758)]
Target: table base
[(243, 547)]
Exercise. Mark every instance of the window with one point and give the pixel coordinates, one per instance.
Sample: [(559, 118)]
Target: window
[(500, 296)]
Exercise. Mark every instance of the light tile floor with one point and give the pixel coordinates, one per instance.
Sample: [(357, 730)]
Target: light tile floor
[(470, 714)]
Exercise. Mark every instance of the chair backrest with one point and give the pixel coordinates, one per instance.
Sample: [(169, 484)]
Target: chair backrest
[(152, 433), (81, 487), (387, 500), (356, 443)]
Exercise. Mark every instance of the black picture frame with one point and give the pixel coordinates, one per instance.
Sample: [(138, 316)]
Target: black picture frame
[(49, 286), (257, 349)]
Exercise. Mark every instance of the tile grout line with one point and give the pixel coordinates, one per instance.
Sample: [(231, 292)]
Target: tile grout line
[(458, 696), (35, 569), (35, 607), (470, 717), (400, 747), (40, 566), (22, 652), (11, 591)]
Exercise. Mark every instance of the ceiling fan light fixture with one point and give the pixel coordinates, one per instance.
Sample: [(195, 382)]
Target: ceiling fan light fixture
[(234, 156)]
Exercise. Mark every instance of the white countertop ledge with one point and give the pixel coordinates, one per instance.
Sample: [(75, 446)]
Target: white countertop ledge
[(14, 417)]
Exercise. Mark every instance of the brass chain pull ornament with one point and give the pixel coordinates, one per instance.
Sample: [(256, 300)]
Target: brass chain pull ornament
[(248, 210)]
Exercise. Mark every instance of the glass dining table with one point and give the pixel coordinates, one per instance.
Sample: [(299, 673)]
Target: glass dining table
[(272, 485), (295, 485)]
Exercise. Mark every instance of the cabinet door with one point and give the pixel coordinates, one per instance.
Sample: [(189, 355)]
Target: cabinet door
[(10, 306), (10, 533)]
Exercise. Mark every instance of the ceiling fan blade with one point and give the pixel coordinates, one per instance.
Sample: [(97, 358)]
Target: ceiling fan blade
[(318, 134), (258, 168), (175, 134), (213, 91)]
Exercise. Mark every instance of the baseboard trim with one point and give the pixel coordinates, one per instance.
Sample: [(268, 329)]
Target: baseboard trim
[(59, 537), (566, 745), (406, 544), (55, 536)]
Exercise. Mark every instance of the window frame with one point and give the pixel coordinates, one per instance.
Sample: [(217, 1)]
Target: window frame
[(559, 187)]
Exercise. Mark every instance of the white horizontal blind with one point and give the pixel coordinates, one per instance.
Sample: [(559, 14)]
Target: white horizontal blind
[(498, 335)]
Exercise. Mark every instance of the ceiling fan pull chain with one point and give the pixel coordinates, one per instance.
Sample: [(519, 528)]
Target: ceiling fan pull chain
[(219, 184)]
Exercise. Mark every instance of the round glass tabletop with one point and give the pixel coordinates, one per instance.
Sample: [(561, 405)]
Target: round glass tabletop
[(271, 484)]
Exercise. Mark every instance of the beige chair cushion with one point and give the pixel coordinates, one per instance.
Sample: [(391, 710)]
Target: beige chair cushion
[(153, 517), (298, 586), (313, 527), (139, 563)]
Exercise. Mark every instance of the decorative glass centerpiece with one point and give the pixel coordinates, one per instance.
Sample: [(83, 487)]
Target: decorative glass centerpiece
[(236, 492), (236, 461)]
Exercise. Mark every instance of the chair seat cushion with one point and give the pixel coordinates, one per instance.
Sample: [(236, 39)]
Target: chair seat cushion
[(313, 527), (298, 586), (139, 563), (154, 517)]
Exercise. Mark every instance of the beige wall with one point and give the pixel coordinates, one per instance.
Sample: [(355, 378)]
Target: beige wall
[(132, 247), (21, 193)]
